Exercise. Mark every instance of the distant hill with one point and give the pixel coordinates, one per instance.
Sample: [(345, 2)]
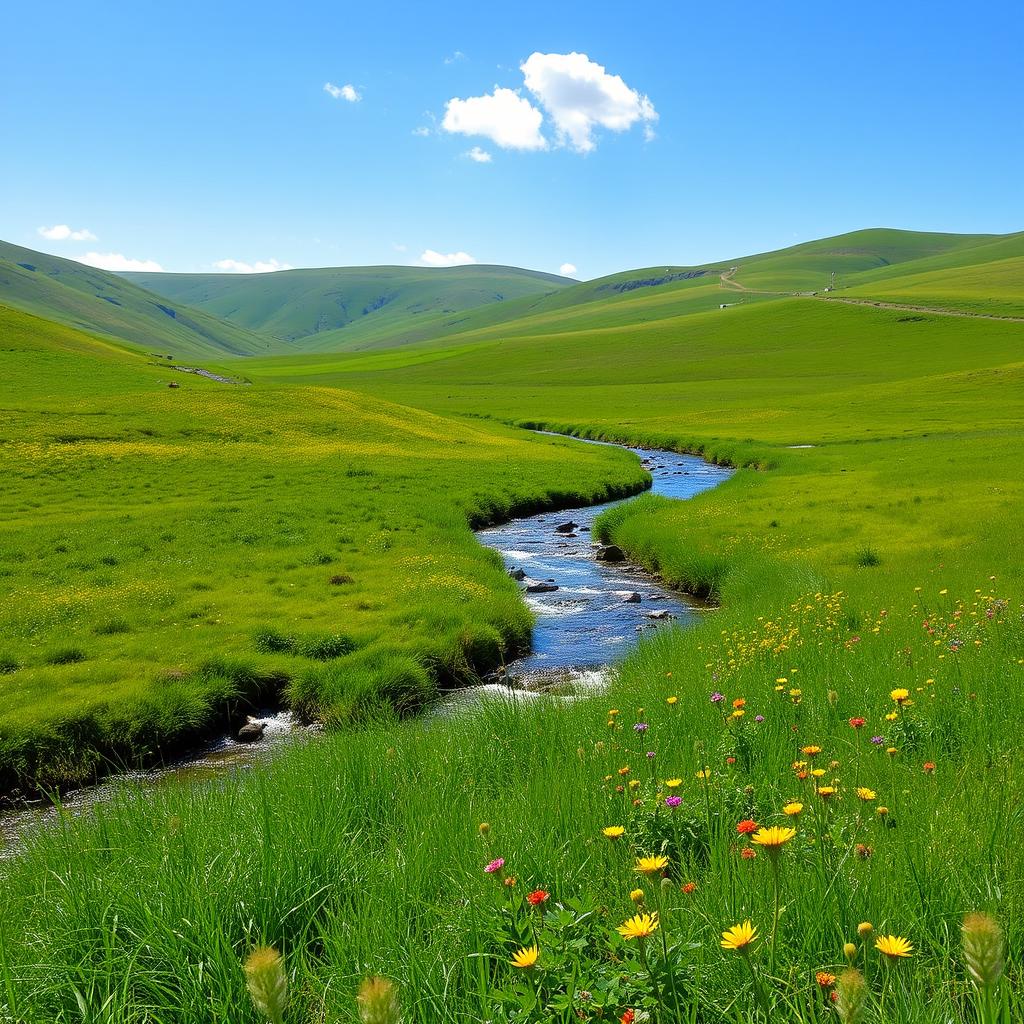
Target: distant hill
[(97, 301), (337, 308)]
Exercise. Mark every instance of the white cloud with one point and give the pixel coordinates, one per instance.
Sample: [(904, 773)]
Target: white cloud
[(400, 247), (480, 156), (342, 92), (567, 269), (579, 95), (118, 261), (440, 259), (62, 233), (456, 56), (259, 267), (506, 118), (422, 131)]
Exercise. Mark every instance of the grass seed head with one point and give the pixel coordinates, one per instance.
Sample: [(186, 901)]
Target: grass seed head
[(267, 982), (984, 949)]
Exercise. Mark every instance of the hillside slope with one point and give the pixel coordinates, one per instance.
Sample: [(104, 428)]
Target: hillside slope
[(334, 307), (95, 300)]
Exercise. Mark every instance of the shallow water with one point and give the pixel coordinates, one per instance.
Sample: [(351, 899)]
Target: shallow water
[(587, 623)]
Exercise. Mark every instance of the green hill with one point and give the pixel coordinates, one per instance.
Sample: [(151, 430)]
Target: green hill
[(95, 300), (336, 308)]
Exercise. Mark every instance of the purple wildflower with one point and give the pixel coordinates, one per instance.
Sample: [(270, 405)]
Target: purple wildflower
[(717, 698), (640, 727), (758, 718), (650, 754), (673, 801), (878, 740), (495, 866)]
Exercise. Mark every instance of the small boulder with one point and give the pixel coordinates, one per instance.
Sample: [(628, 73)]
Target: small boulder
[(566, 527), (251, 732), (633, 598), (611, 553), (661, 613), (540, 588), (517, 574)]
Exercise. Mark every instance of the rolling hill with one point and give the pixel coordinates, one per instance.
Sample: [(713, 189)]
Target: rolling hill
[(335, 308), (97, 301)]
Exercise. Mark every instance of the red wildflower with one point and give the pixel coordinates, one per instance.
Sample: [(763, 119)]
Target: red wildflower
[(627, 1017), (747, 826), (689, 888), (858, 723), (928, 767), (537, 897), (748, 853), (730, 760)]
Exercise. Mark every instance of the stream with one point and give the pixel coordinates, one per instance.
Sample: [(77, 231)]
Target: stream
[(588, 612)]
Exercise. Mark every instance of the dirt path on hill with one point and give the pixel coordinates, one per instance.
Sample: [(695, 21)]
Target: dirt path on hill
[(919, 309), (208, 375)]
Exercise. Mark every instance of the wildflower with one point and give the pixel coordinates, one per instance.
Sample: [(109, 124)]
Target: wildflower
[(773, 838), (748, 853), (704, 774), (378, 1001), (895, 947), (267, 983), (858, 723), (538, 897), (673, 783), (510, 882), (483, 828), (739, 702), (877, 740), (864, 851), (891, 716), (851, 996), (730, 759), (795, 695), (826, 792), (634, 783), (671, 701), (900, 696), (624, 770), (825, 979), (983, 949), (526, 957), (613, 712), (717, 698), (495, 866), (673, 801), (640, 727), (881, 811), (651, 755), (650, 865), (747, 826), (628, 1017), (850, 951), (865, 928), (818, 772), (689, 888), (738, 713), (793, 810), (640, 926), (810, 751), (637, 896), (739, 937), (891, 751), (865, 794), (928, 767), (758, 718), (613, 832)]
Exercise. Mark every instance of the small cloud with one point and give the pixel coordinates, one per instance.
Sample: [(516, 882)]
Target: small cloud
[(342, 92), (259, 267), (118, 262), (62, 233), (456, 56), (503, 116), (567, 269), (423, 131), (399, 247), (431, 258), (580, 95), (480, 156)]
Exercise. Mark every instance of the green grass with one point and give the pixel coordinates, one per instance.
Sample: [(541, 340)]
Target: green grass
[(339, 308), (94, 300), (158, 531), (882, 557)]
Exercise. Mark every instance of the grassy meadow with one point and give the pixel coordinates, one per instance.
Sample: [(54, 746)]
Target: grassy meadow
[(833, 756), (171, 555)]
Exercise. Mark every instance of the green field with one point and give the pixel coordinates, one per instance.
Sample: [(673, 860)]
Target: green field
[(183, 541)]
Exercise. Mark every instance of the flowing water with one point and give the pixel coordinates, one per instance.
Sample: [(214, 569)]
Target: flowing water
[(594, 613)]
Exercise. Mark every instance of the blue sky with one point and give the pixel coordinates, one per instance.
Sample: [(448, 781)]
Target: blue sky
[(198, 134)]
